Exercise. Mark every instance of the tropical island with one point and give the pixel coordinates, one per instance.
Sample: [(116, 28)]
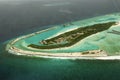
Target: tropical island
[(94, 38)]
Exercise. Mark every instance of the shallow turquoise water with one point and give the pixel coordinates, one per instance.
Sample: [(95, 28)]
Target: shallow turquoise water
[(103, 40)]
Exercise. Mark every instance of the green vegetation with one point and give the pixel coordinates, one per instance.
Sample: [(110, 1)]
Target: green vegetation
[(83, 53), (69, 38)]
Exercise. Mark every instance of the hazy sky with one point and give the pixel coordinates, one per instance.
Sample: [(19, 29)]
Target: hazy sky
[(27, 0)]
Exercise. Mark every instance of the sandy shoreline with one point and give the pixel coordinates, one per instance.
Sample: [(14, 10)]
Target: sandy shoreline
[(77, 55), (93, 54), (65, 56)]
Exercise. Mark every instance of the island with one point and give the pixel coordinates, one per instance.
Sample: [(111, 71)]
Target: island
[(93, 38)]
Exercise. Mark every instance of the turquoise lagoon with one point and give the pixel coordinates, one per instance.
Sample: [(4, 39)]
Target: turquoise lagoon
[(31, 68), (102, 40)]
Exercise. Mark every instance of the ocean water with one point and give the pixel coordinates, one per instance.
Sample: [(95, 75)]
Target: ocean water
[(22, 17), (30, 68)]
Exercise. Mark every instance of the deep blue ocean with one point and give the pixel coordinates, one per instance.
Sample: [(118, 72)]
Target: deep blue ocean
[(20, 17)]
